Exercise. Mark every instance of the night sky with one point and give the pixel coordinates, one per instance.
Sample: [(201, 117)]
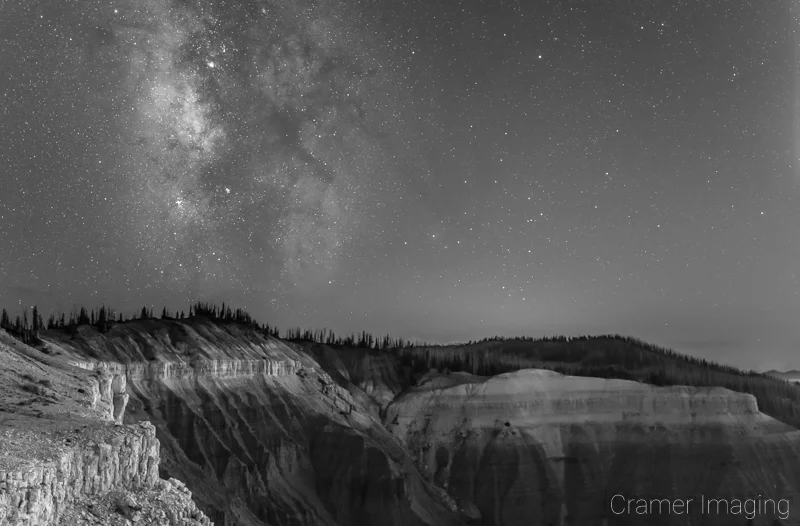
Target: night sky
[(431, 169)]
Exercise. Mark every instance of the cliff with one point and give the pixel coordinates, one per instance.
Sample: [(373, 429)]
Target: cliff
[(538, 447), (259, 430), (64, 456), (101, 428)]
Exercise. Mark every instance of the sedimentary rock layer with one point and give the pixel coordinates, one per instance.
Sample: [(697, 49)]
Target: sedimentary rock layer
[(98, 460), (536, 447), (63, 449), (258, 429), (265, 432)]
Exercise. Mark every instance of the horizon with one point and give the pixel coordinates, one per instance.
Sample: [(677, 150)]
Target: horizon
[(421, 169), (176, 315)]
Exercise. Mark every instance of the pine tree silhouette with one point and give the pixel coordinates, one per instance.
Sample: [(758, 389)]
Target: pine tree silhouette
[(35, 321), (102, 322)]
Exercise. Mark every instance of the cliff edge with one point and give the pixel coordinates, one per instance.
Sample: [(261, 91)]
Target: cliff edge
[(257, 428), (538, 447), (100, 428), (65, 457)]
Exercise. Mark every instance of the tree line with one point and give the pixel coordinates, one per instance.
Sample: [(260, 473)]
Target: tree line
[(24, 330), (363, 340), (104, 318), (607, 356), (101, 318)]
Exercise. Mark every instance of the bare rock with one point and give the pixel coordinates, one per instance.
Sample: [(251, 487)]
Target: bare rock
[(72, 465), (538, 447), (260, 432)]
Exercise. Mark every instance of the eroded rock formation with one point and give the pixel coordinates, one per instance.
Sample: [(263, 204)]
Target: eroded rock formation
[(536, 447), (266, 432), (261, 432), (63, 450)]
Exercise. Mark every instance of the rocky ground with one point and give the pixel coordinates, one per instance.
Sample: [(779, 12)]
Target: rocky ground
[(168, 503), (65, 456)]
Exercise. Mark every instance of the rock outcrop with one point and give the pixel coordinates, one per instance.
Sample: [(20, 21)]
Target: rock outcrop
[(537, 447), (258, 429), (93, 462), (63, 450), (100, 428)]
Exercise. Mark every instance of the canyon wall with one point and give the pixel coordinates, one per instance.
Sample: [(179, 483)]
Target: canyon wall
[(66, 459), (537, 447), (259, 430), (102, 428)]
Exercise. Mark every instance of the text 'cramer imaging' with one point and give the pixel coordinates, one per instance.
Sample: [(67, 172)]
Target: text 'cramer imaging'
[(748, 508)]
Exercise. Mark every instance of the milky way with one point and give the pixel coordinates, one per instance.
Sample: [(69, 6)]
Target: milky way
[(244, 134), (432, 169)]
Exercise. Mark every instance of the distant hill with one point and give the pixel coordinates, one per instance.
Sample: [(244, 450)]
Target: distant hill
[(789, 376), (608, 356)]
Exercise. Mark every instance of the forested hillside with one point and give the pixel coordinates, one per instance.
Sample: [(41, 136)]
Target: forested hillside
[(610, 356)]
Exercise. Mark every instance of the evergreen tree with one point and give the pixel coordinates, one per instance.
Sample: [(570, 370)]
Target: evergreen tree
[(144, 314), (102, 322), (5, 322), (35, 321)]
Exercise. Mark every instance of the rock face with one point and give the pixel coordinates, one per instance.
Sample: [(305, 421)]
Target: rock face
[(167, 503), (536, 447), (259, 431), (99, 461), (101, 428), (63, 449)]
